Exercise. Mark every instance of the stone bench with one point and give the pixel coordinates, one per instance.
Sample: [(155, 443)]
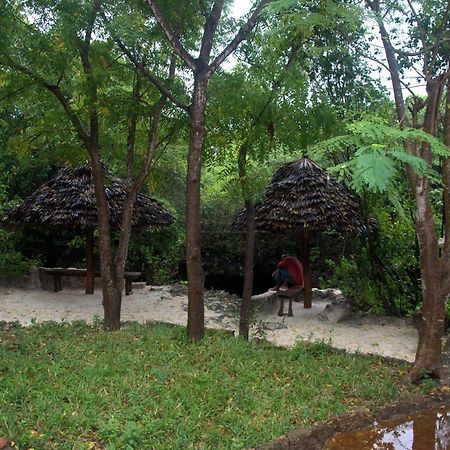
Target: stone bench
[(58, 273)]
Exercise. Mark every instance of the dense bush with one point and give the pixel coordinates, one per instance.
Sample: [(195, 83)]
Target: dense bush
[(12, 262), (159, 254), (382, 274)]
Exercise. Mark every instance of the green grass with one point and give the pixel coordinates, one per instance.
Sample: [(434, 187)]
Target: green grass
[(72, 386)]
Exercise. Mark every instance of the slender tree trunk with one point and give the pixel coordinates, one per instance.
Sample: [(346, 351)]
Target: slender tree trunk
[(307, 290), (246, 303), (90, 276), (196, 322), (446, 177)]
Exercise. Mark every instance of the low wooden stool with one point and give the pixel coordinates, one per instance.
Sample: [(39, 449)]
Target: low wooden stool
[(293, 293)]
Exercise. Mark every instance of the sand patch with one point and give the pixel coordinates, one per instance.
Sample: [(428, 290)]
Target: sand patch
[(386, 337)]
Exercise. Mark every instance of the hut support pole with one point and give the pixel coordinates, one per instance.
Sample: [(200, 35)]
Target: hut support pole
[(307, 293), (90, 260)]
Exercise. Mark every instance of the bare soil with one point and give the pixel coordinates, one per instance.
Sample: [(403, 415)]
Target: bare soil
[(315, 438)]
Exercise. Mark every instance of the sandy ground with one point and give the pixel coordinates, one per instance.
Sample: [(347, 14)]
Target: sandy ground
[(387, 337)]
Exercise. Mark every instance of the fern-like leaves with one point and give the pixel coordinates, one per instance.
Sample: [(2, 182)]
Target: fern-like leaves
[(377, 151)]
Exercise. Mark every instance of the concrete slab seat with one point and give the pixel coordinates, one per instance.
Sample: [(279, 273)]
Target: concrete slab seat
[(293, 293), (58, 273)]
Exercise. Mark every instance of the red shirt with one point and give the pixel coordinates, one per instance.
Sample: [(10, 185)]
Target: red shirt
[(294, 268)]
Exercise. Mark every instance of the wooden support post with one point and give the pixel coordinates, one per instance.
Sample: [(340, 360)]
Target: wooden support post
[(307, 295), (90, 276)]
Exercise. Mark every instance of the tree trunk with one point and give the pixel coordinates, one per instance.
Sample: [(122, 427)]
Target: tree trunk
[(429, 351), (196, 321), (307, 290), (112, 297), (90, 275), (112, 304), (202, 70), (246, 304)]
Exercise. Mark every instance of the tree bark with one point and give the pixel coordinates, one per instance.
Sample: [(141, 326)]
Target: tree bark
[(246, 303), (112, 296), (307, 290), (196, 320), (429, 351), (90, 276), (446, 177)]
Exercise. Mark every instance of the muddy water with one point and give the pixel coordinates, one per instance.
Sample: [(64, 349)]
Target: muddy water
[(429, 430)]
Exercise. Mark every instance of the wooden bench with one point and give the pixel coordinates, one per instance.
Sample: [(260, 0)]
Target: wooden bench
[(57, 275), (293, 293)]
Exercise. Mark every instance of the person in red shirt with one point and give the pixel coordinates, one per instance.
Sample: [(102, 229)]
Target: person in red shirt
[(289, 272)]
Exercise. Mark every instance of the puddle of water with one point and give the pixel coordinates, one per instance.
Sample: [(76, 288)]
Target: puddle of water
[(429, 430)]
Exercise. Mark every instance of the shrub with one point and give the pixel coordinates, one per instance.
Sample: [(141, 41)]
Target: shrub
[(12, 262)]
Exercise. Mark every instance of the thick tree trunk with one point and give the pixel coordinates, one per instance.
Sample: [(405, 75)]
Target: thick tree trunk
[(112, 297), (112, 304), (429, 351), (196, 321)]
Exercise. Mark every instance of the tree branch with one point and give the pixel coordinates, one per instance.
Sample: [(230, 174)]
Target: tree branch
[(240, 36), (172, 36), (382, 64), (58, 93), (150, 76), (131, 139), (209, 31), (85, 45)]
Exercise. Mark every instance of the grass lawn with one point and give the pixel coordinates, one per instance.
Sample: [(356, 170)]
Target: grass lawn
[(73, 386)]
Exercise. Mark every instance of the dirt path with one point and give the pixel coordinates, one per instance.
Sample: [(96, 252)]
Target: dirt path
[(387, 337)]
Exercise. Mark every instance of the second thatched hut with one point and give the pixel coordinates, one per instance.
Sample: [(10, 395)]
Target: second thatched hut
[(303, 198)]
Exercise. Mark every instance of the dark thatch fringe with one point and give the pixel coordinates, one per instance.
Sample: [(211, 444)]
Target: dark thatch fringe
[(68, 199), (302, 196)]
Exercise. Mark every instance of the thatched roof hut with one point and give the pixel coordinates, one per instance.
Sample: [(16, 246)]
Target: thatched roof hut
[(303, 198), (68, 200)]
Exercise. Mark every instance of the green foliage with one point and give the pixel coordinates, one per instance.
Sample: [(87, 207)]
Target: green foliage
[(12, 262), (378, 153), (382, 276), (71, 386), (158, 254)]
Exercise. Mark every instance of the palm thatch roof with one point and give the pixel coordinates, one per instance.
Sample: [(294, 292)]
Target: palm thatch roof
[(304, 197), (68, 199)]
